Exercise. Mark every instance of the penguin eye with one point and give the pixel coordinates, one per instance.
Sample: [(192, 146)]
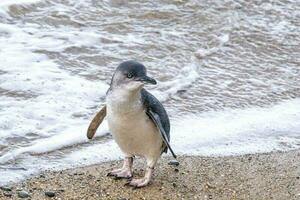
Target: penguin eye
[(129, 75)]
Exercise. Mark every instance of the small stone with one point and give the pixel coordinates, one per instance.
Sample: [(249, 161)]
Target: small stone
[(91, 176), (42, 176), (50, 194), (209, 186), (174, 163), (7, 194), (23, 194), (5, 188)]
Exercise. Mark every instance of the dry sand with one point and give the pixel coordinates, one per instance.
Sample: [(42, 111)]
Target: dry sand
[(259, 176)]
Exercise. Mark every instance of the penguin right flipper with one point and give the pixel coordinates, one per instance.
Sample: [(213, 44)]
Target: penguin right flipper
[(156, 119), (95, 123)]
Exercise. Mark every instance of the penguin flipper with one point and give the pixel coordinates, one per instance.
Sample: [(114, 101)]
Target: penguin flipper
[(95, 123), (156, 119)]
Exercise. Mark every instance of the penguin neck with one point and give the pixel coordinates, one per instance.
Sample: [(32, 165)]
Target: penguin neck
[(126, 94), (123, 101)]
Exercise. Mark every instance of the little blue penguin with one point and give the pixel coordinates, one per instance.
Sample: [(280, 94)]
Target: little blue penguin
[(137, 121)]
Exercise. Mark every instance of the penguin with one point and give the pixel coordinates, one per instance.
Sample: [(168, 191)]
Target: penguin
[(137, 120)]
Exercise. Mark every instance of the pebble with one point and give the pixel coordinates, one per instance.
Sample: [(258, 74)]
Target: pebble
[(174, 163), (91, 176), (23, 194), (50, 194), (7, 194), (5, 188), (42, 176)]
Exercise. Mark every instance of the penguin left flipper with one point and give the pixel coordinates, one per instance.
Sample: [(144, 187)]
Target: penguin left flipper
[(156, 119), (95, 123)]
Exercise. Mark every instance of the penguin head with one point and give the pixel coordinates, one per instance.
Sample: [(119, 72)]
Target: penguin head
[(131, 75)]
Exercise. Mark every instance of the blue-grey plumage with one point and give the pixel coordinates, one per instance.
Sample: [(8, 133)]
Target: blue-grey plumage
[(156, 111)]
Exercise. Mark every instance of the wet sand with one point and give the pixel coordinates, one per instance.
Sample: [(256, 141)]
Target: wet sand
[(258, 176)]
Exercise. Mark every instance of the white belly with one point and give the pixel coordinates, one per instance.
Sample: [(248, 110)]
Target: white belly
[(133, 130)]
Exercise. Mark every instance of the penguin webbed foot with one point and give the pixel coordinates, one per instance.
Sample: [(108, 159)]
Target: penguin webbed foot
[(138, 182), (141, 182), (123, 172)]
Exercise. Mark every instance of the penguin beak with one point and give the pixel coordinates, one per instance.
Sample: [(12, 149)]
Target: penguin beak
[(147, 79)]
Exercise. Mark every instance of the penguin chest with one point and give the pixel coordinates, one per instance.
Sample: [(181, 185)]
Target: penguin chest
[(133, 130)]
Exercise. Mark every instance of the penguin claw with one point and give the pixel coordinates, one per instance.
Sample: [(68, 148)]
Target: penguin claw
[(117, 178), (127, 184), (110, 174)]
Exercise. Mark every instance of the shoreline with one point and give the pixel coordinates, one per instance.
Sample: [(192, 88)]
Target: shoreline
[(273, 175)]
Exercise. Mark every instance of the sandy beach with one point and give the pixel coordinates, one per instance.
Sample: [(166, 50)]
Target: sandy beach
[(258, 176)]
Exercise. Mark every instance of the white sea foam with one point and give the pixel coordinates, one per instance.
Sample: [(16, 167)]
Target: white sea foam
[(52, 102), (238, 131), (70, 136), (204, 52), (185, 78)]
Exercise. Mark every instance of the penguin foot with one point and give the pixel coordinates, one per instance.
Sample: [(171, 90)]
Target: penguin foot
[(121, 173), (115, 171), (138, 183), (125, 171), (141, 182)]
